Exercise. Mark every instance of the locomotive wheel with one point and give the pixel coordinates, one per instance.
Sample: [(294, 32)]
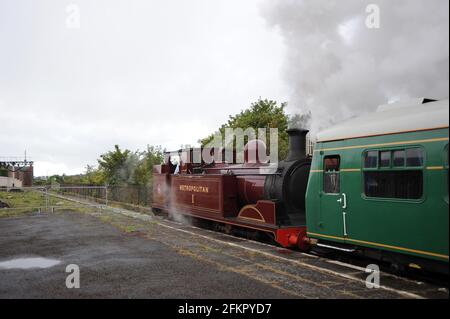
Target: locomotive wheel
[(156, 211), (228, 229)]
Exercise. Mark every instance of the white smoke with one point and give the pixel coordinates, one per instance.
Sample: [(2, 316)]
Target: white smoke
[(174, 212), (336, 67)]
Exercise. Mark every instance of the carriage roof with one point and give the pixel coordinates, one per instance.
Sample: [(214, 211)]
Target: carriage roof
[(418, 115)]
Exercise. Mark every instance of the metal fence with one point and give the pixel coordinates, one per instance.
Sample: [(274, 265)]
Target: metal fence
[(50, 199), (133, 195), (57, 197), (90, 194)]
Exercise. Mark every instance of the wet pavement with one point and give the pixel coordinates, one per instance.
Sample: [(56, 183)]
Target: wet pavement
[(129, 255)]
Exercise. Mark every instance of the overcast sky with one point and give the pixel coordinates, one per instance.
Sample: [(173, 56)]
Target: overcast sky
[(135, 73), (168, 72)]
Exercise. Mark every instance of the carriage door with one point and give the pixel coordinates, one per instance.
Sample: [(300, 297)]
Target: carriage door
[(333, 201)]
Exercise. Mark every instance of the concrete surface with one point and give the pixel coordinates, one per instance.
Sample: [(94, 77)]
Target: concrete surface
[(131, 255), (112, 264)]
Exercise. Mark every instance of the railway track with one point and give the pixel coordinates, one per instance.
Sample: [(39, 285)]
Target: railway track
[(305, 275), (349, 260), (342, 267)]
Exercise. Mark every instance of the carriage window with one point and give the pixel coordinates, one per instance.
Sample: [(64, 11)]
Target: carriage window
[(371, 159), (414, 157), (385, 159), (398, 157), (394, 184), (331, 174), (391, 179)]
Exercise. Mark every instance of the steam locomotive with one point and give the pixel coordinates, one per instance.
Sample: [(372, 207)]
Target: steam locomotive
[(375, 185), (241, 195)]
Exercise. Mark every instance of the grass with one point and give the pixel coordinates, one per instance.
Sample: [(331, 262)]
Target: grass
[(130, 228), (23, 199), (30, 201)]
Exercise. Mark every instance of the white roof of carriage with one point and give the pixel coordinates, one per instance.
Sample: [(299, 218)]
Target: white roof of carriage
[(392, 118)]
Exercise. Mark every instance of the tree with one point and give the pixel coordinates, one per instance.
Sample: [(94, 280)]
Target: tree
[(261, 114), (116, 166), (128, 168), (93, 176), (152, 156)]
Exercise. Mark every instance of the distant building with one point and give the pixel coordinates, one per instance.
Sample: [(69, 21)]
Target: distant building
[(10, 182), (23, 174), (15, 173)]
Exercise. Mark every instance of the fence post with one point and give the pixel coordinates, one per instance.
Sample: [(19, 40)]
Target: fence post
[(106, 195), (46, 200)]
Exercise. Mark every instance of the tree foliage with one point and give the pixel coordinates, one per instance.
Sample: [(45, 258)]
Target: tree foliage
[(264, 114), (130, 168), (117, 167), (150, 157), (261, 114)]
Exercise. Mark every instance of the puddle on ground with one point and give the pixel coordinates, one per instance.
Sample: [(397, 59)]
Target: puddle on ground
[(28, 263)]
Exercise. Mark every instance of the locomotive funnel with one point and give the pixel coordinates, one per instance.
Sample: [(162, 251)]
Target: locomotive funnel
[(297, 144)]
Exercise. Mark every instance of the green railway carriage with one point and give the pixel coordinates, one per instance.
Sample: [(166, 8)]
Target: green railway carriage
[(379, 184)]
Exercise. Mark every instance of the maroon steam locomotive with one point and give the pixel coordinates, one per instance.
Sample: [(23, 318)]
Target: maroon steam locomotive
[(243, 196)]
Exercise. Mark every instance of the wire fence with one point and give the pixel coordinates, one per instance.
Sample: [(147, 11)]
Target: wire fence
[(57, 197), (48, 199), (133, 195)]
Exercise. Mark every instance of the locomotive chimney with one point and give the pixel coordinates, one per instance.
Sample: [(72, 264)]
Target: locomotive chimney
[(297, 144)]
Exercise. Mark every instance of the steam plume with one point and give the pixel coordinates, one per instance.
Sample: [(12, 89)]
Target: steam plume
[(336, 67)]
